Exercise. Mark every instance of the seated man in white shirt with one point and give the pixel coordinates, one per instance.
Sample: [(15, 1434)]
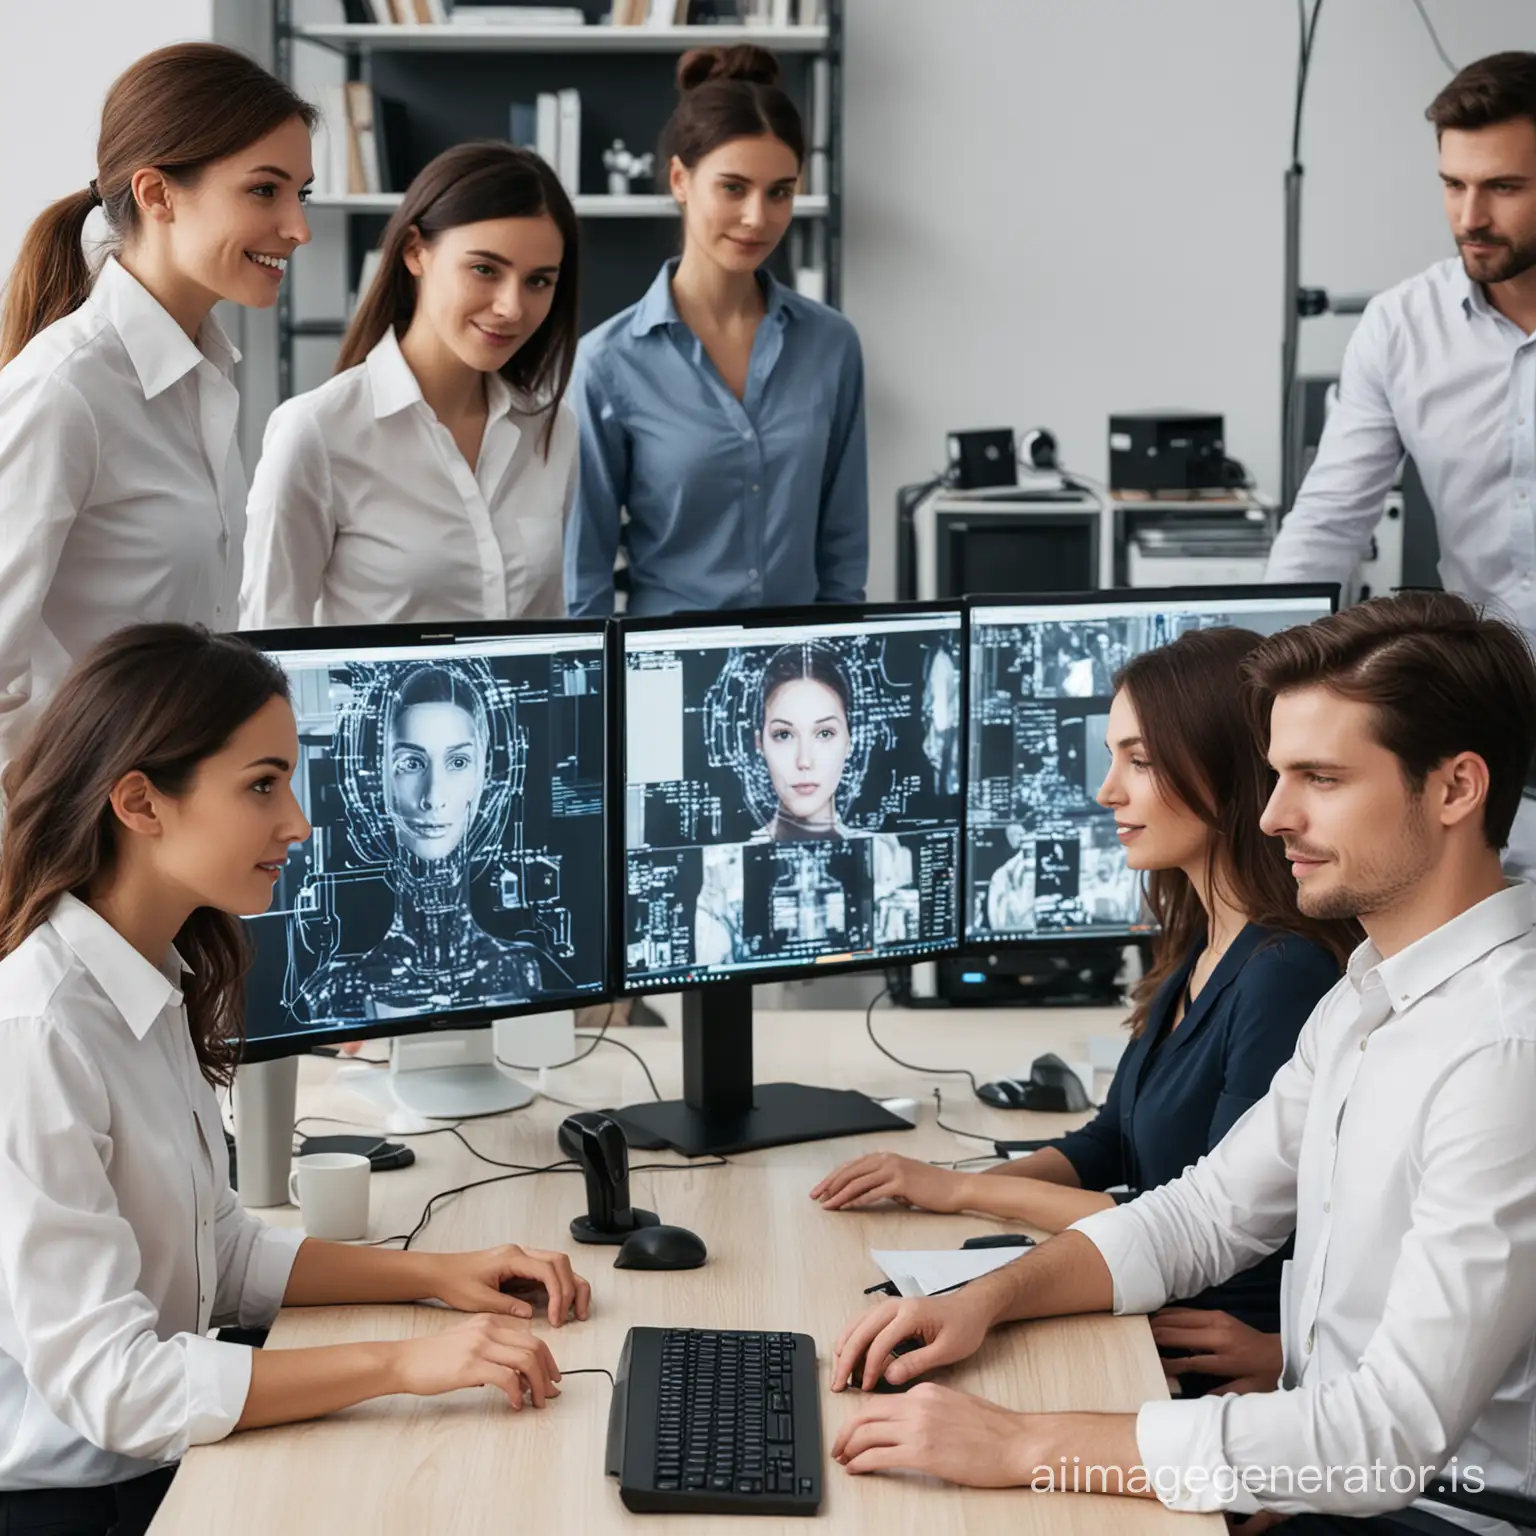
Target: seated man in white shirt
[(1443, 367), (1399, 1142)]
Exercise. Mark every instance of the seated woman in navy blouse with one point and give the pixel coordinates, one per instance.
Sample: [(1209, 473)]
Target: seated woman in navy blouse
[(723, 414), (1236, 970)]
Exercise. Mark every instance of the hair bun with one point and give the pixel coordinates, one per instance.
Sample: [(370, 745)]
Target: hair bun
[(745, 61)]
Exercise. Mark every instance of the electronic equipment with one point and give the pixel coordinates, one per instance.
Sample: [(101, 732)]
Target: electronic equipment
[(455, 776), (1043, 861), (792, 800), (382, 1155), (1043, 535), (1052, 1088), (596, 1142), (1157, 451), (662, 1247), (882, 1383), (983, 458), (1212, 541), (716, 1422)]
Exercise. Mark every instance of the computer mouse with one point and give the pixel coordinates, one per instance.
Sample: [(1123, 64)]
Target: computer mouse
[(1052, 1087), (661, 1247), (905, 1347)]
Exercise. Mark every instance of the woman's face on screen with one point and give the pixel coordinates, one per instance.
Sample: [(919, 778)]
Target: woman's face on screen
[(435, 770), (805, 742)]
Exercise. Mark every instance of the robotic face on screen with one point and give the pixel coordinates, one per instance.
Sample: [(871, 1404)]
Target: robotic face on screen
[(429, 763), (798, 731)]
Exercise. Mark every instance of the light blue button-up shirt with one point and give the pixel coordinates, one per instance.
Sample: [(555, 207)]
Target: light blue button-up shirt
[(1435, 370), (758, 502)]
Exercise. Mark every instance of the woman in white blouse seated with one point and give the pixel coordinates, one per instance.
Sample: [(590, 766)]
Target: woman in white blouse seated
[(122, 496), (151, 804), (431, 477)]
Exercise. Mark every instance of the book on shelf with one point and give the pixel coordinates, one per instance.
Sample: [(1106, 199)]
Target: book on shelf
[(629, 13), (546, 139), (568, 163), (818, 177), (366, 142), (518, 16), (523, 125), (370, 270)]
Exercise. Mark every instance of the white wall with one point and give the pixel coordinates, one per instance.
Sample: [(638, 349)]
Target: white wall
[(1056, 209), (57, 59)]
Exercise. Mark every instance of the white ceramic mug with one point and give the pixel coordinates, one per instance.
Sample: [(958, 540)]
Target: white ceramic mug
[(331, 1192)]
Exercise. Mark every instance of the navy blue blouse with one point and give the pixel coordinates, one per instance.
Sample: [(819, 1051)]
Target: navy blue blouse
[(1175, 1095)]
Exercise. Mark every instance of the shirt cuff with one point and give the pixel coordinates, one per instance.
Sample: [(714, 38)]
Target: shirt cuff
[(266, 1274), (1119, 1236), (1180, 1444), (218, 1383)]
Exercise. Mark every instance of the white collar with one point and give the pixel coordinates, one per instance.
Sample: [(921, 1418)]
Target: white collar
[(395, 387), (1429, 962), (160, 351), (138, 990)]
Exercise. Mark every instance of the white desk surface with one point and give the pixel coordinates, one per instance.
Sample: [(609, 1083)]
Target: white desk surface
[(464, 1465)]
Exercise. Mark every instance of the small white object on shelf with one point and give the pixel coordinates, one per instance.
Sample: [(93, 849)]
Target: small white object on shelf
[(625, 168)]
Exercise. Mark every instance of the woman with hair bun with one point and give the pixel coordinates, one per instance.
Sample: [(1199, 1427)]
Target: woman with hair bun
[(122, 495), (724, 413)]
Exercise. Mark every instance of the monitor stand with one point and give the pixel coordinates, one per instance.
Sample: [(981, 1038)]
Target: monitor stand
[(722, 1110), (446, 1075)]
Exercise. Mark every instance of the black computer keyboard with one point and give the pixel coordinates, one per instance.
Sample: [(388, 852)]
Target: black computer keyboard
[(716, 1422)]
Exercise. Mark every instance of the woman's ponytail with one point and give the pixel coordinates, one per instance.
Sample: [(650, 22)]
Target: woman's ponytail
[(51, 276)]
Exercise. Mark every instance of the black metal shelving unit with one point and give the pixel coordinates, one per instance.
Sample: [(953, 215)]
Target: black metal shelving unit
[(458, 82)]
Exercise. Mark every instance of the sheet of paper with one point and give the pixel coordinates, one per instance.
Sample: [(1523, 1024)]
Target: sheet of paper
[(927, 1271)]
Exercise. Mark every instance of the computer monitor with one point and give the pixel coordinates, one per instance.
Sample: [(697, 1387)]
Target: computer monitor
[(455, 777), (792, 805), (1043, 862)]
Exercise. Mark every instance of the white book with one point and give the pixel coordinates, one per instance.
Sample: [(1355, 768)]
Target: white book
[(548, 141), (781, 13), (517, 15), (331, 171), (821, 103), (381, 12), (568, 166)]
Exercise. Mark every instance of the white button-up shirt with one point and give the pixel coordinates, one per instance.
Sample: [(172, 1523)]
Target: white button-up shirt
[(1435, 370), (121, 1243), (122, 497), (1400, 1143), (364, 511)]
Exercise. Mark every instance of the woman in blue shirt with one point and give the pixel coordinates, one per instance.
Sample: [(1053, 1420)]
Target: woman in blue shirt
[(723, 413), (1236, 971)]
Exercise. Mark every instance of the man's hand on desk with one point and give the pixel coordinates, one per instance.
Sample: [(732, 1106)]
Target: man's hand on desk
[(966, 1439), (951, 1328), (889, 1176), (497, 1280), (482, 1351)]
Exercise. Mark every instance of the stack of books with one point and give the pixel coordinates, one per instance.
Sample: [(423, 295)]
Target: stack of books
[(551, 127), (360, 145)]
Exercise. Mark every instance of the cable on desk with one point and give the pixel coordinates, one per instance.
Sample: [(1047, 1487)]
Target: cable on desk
[(954, 1130), (591, 1370), (523, 1171), (597, 1040), (869, 1026)]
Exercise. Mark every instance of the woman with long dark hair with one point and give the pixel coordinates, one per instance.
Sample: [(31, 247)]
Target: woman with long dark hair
[(1236, 969), (722, 417), (431, 478), (122, 495), (152, 804)]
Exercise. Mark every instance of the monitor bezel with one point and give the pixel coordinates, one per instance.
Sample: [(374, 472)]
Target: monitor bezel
[(1109, 597), (386, 636), (764, 618)]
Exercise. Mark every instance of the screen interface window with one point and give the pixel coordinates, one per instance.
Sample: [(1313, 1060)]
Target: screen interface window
[(456, 795), (792, 795), (1042, 857)]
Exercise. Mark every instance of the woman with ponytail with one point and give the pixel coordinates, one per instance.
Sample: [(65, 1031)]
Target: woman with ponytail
[(432, 476), (723, 413), (122, 496)]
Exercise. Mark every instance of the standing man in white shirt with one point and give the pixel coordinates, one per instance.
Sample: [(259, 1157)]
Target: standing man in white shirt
[(1443, 367), (1399, 1142), (122, 496)]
